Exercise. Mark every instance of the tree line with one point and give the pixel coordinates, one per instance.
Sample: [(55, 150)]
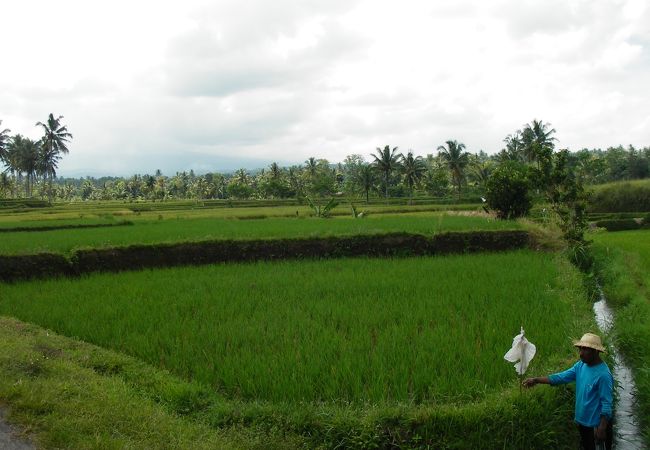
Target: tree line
[(30, 170), (27, 160)]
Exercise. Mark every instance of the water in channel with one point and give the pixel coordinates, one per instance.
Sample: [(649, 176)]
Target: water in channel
[(627, 434)]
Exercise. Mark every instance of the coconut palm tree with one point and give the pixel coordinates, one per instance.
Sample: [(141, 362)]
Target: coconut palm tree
[(413, 169), (54, 143), (275, 171), (364, 178), (23, 158), (456, 160), (4, 142), (537, 141), (387, 161), (311, 166)]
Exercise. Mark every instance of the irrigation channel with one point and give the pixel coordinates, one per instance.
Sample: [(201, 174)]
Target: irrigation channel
[(627, 434)]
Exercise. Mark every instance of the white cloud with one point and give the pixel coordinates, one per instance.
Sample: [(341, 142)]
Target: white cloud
[(206, 84)]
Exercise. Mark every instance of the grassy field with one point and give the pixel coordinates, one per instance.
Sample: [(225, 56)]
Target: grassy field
[(356, 330), (176, 230), (624, 260)]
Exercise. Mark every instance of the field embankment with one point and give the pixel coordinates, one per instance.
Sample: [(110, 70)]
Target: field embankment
[(136, 257)]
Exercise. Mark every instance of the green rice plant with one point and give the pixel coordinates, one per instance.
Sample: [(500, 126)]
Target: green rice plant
[(182, 230), (207, 209), (355, 331)]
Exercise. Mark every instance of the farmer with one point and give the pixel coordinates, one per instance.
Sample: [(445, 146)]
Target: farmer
[(594, 385)]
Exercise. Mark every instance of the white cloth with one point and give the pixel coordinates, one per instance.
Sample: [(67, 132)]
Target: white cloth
[(522, 351)]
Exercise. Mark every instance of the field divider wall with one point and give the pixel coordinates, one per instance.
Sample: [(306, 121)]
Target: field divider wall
[(136, 257)]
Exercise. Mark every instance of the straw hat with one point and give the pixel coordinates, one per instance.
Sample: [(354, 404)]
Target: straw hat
[(590, 340)]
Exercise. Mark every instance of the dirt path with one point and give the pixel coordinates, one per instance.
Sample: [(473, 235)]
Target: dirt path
[(9, 439)]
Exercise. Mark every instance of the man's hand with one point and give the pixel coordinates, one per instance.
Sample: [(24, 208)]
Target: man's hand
[(529, 382)]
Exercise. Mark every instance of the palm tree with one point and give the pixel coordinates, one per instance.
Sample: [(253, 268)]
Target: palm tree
[(275, 171), (537, 141), (413, 169), (241, 176), (54, 143), (311, 166), (4, 142), (456, 160), (364, 177), (23, 158), (480, 171), (387, 161), (514, 147)]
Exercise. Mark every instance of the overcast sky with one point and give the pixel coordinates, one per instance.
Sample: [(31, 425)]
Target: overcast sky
[(218, 85)]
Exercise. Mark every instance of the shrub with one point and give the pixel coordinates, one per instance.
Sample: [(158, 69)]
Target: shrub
[(507, 191)]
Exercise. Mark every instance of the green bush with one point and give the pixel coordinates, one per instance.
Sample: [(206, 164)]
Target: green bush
[(507, 191)]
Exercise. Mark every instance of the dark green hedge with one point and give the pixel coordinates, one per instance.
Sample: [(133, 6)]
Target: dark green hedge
[(42, 265), (136, 257), (619, 224)]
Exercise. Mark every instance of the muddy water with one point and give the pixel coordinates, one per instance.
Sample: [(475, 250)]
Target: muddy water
[(626, 427)]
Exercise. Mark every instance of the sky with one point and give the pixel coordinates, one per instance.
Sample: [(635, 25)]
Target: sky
[(219, 85)]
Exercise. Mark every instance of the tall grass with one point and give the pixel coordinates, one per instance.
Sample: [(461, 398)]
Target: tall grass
[(413, 330), (176, 230), (625, 196)]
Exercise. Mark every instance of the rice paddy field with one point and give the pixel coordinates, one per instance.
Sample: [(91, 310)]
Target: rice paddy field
[(197, 229), (334, 353), (354, 330), (260, 209)]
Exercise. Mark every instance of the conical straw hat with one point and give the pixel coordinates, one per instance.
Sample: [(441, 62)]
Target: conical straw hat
[(590, 340)]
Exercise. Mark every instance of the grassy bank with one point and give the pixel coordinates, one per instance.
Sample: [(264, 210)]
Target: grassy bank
[(55, 389), (624, 265)]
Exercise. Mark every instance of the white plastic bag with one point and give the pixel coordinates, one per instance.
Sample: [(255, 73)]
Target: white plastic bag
[(522, 351)]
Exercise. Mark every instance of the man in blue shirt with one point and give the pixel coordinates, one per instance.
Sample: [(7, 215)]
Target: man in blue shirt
[(594, 386)]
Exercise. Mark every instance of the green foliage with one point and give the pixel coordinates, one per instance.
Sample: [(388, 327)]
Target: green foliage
[(322, 211), (568, 199), (507, 191), (628, 196)]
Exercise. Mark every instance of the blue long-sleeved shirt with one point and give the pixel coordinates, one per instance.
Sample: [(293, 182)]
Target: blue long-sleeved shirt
[(594, 386)]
